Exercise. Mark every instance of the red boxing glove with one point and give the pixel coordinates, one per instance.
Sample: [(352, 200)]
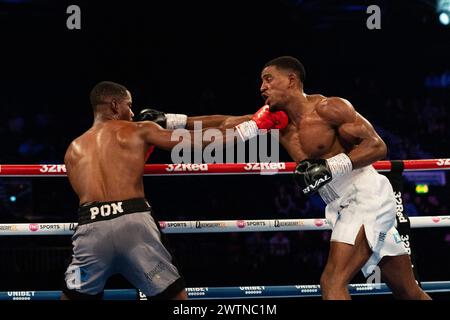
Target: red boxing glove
[(265, 119), (281, 119), (262, 119)]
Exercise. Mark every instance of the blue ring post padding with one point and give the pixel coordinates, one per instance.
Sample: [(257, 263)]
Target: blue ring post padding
[(291, 291)]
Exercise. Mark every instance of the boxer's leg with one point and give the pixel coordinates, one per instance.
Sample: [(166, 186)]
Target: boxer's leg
[(149, 265), (344, 261), (396, 271), (92, 262)]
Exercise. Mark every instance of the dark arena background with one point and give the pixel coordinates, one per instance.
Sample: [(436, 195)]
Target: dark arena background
[(205, 58)]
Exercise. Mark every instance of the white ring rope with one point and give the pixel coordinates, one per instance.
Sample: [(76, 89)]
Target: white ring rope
[(211, 226)]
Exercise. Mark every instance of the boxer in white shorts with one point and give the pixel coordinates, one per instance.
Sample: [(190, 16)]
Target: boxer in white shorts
[(334, 147)]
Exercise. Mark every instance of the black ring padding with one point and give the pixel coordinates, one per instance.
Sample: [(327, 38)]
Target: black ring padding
[(397, 166)]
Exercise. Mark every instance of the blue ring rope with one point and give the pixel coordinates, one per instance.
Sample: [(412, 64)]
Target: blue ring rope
[(198, 293)]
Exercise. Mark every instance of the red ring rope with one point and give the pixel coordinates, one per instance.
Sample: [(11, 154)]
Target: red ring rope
[(225, 168)]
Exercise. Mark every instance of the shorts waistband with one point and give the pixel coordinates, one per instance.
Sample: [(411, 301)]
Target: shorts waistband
[(98, 211)]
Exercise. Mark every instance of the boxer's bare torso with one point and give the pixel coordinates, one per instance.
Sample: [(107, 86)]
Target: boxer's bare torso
[(311, 135), (106, 163), (323, 127)]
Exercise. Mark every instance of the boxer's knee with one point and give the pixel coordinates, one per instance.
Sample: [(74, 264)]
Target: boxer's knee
[(331, 280), (333, 287)]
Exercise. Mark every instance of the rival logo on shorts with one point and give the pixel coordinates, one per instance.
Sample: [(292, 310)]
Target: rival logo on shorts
[(106, 210)]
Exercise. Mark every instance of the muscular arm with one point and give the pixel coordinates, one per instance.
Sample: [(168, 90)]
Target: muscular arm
[(247, 128), (153, 134), (371, 147), (217, 121), (355, 130)]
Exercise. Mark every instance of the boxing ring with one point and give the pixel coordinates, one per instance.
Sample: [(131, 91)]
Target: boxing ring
[(217, 226)]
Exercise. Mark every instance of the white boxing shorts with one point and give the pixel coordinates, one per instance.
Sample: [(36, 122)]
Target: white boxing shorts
[(363, 198)]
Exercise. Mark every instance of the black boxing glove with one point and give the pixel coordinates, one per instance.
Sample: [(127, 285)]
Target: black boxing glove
[(166, 120), (312, 174), (152, 115)]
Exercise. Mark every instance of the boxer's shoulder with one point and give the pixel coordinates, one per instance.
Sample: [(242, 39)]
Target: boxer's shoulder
[(127, 127), (336, 110)]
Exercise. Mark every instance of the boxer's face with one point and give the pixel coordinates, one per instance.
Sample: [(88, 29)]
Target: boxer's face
[(274, 87), (124, 108)]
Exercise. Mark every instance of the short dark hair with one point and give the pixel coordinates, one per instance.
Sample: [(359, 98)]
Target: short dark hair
[(104, 90), (289, 63)]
